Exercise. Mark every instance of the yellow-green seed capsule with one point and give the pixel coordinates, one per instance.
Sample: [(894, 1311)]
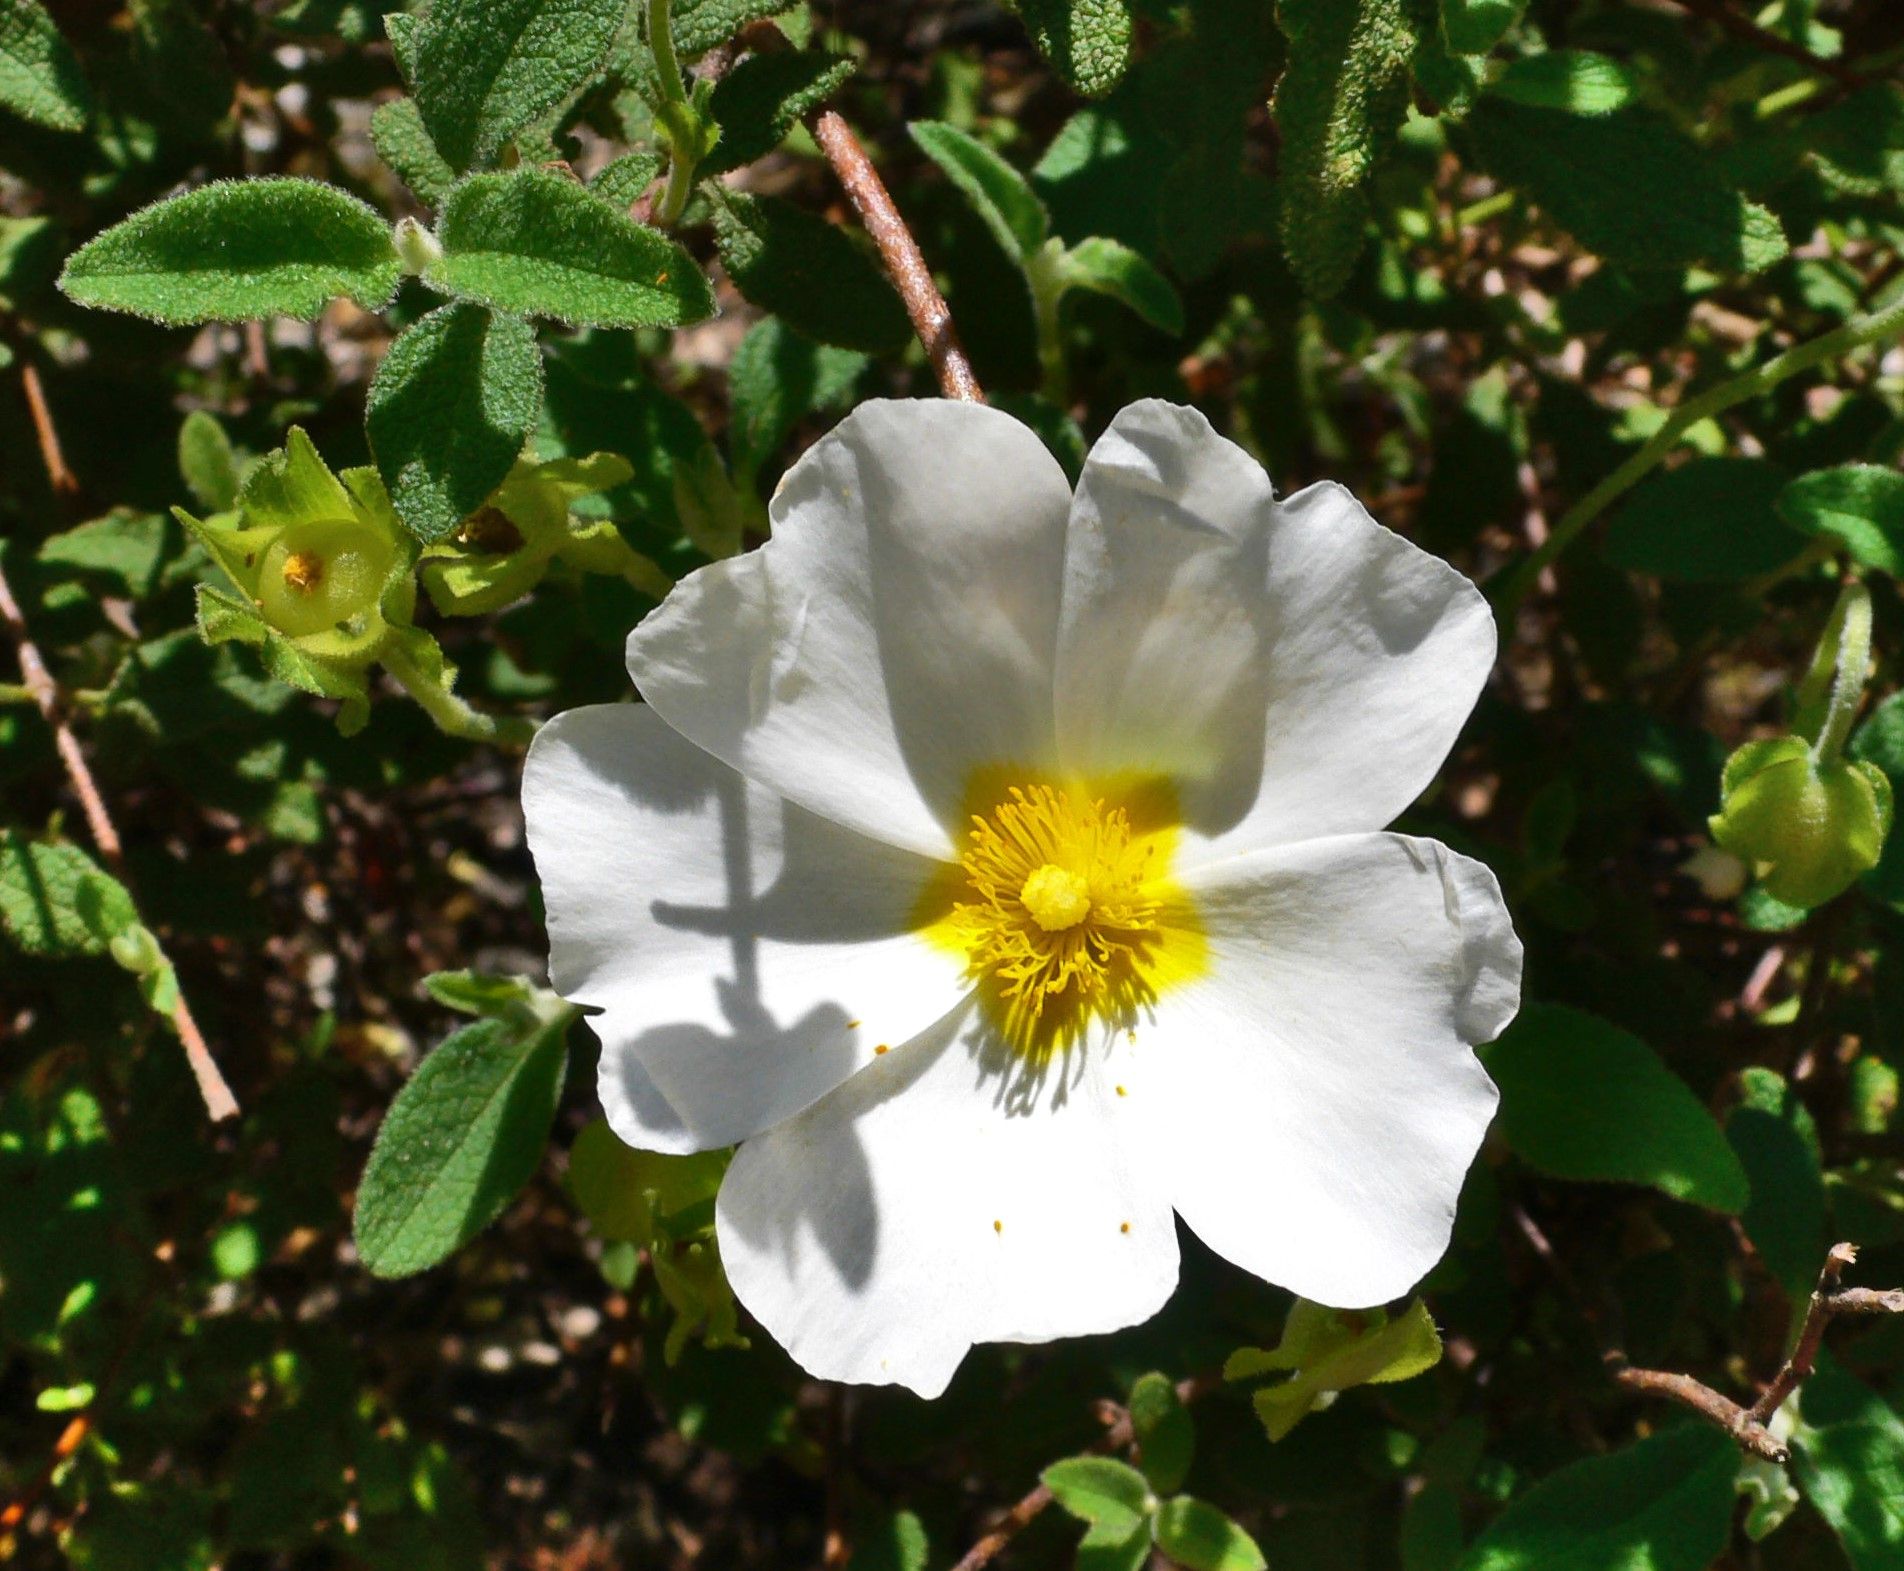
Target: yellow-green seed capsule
[(1811, 828)]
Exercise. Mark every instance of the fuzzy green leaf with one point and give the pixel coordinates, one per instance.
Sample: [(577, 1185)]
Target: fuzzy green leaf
[(450, 408), (1473, 27), (1107, 268), (1776, 1144), (1573, 80), (1199, 1537), (1628, 186), (206, 462), (536, 242), (487, 68), (1860, 504), (758, 102), (1848, 1458), (40, 79), (1341, 98), (461, 1138), (1711, 520), (776, 377), (1582, 1099), (403, 142), (805, 270), (1166, 1438), (1664, 1504), (1088, 42), (238, 249), (55, 901), (701, 25), (1109, 1494), (125, 548), (999, 194), (624, 180)]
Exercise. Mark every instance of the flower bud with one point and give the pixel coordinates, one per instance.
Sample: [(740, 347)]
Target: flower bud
[(1810, 827), (314, 576)]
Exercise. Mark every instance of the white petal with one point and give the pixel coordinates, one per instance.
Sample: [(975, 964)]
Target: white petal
[(746, 956), (896, 632), (1298, 669), (1321, 1102), (932, 1203)]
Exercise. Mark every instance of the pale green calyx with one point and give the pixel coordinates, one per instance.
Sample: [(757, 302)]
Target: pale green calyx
[(416, 247), (1809, 819), (501, 550), (1810, 827)]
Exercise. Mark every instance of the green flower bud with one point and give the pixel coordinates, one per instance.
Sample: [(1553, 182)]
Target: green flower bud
[(1810, 827)]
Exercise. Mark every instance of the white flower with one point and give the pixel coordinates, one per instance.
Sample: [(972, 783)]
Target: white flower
[(1004, 869)]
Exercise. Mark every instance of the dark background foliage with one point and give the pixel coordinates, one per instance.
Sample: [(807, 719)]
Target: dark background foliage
[(1455, 268)]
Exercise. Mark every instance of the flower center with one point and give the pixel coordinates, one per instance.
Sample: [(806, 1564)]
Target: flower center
[(1061, 911), (304, 571)]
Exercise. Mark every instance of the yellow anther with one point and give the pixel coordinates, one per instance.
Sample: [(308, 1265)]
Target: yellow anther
[(1056, 897), (303, 571)]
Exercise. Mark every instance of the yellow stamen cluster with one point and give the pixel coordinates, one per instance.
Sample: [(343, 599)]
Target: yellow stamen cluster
[(303, 571), (1060, 910)]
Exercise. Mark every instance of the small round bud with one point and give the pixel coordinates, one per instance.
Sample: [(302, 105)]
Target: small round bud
[(314, 576), (136, 950), (1810, 827)]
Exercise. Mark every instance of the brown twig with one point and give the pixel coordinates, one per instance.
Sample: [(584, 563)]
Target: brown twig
[(59, 476), (931, 317), (1748, 1425), (219, 1102), (1119, 1437), (1721, 15)]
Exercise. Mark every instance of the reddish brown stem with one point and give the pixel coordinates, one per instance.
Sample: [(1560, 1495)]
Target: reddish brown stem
[(1748, 1425), (931, 317), (1721, 15), (61, 478), (219, 1102)]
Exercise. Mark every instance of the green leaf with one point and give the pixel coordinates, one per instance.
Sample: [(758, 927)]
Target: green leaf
[(1859, 504), (1848, 1457), (1107, 268), (1201, 1538), (1166, 1438), (1473, 27), (1776, 1144), (487, 68), (895, 1541), (776, 377), (809, 273), (403, 142), (55, 901), (1108, 1494), (758, 102), (1582, 1099), (40, 80), (1629, 186), (206, 462), (536, 242), (237, 249), (461, 1138), (1341, 99), (223, 619), (700, 25), (124, 548), (1664, 1504), (1104, 1549), (999, 194), (1711, 520), (449, 409), (1088, 42), (292, 485), (625, 179), (1573, 80)]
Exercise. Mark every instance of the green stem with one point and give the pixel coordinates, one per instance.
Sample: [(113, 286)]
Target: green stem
[(1513, 586), (646, 575), (1044, 272), (1845, 653), (676, 115), (453, 717)]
